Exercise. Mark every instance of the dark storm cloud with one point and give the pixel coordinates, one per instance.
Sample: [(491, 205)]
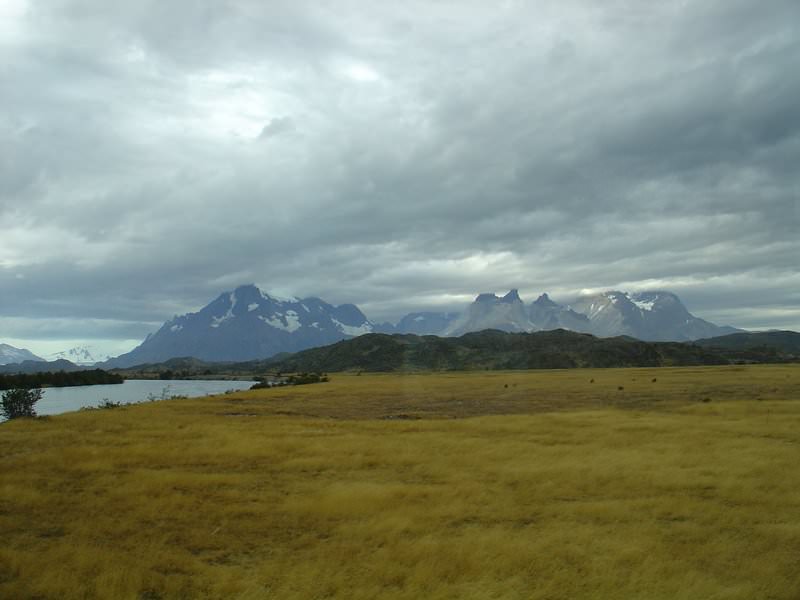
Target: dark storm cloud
[(399, 157)]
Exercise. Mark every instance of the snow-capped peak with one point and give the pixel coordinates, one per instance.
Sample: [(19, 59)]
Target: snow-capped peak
[(79, 355)]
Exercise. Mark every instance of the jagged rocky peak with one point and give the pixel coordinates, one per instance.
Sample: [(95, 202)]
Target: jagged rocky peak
[(492, 312), (545, 301)]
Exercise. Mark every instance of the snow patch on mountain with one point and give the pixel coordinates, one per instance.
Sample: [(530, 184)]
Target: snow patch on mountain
[(79, 355), (285, 322), (355, 331), (648, 305)]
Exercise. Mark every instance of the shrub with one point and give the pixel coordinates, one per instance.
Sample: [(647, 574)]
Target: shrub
[(19, 402), (106, 403), (306, 378)]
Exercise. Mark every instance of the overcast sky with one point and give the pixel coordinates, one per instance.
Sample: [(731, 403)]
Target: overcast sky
[(397, 155)]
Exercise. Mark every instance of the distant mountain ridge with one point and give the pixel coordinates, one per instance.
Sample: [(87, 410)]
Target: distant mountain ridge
[(41, 366), (9, 355), (649, 316), (249, 324), (80, 355)]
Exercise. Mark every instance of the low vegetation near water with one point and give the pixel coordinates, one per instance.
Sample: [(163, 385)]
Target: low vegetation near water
[(614, 483), (58, 379)]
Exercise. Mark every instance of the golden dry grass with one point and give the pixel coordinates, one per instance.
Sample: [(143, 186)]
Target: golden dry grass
[(562, 489)]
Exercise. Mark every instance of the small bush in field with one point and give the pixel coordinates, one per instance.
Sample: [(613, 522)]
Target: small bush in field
[(106, 403), (19, 403)]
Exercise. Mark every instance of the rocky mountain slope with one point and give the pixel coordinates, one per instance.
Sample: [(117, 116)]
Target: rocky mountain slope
[(656, 316), (9, 355), (247, 324), (488, 311)]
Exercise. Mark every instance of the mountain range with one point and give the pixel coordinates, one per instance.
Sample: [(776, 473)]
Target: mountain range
[(249, 324), (79, 355)]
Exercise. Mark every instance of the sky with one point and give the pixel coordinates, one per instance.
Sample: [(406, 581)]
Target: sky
[(400, 156)]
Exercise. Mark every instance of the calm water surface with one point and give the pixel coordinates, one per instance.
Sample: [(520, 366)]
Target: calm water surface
[(60, 400)]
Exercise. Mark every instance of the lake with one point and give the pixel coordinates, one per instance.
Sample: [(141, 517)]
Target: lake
[(60, 400)]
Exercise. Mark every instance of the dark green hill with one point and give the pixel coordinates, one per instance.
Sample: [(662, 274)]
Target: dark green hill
[(783, 341), (491, 349)]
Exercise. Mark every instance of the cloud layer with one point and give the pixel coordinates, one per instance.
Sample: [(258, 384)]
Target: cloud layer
[(403, 156)]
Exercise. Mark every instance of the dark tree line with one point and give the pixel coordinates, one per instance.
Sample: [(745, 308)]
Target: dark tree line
[(58, 379)]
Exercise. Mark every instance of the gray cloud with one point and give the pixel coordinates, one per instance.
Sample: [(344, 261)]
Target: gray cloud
[(416, 155), (277, 126)]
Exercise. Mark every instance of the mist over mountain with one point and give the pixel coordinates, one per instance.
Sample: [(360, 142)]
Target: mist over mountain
[(547, 315), (492, 312), (422, 323)]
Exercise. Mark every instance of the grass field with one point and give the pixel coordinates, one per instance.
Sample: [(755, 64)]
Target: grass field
[(559, 485)]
